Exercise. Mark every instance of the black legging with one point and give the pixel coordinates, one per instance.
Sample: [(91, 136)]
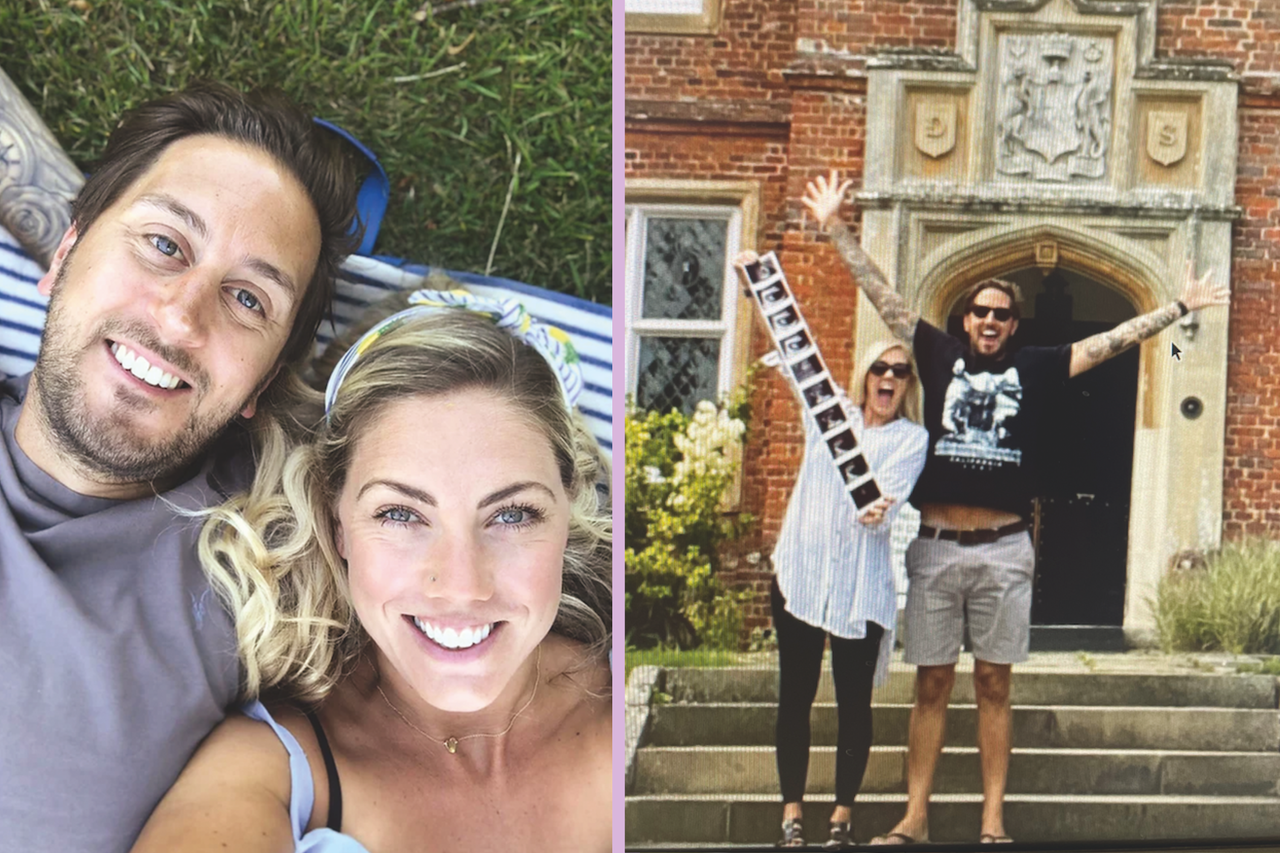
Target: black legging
[(853, 665)]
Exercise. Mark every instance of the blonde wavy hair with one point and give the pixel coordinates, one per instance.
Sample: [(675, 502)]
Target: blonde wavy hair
[(270, 554), (910, 407)]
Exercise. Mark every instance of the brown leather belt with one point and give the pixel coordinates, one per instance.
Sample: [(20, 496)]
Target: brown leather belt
[(973, 537)]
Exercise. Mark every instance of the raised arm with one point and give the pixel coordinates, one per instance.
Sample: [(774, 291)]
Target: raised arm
[(1196, 294), (822, 196), (233, 795)]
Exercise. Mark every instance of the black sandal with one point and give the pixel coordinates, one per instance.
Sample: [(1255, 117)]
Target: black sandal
[(792, 834), (841, 836)]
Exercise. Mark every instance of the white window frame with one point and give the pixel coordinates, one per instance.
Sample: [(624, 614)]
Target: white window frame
[(723, 329), (705, 23), (652, 193)]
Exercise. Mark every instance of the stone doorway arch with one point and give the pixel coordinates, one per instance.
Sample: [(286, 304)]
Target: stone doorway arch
[(1080, 520), (1176, 495), (1053, 136)]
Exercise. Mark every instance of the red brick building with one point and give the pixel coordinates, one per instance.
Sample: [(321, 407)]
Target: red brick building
[(1157, 142)]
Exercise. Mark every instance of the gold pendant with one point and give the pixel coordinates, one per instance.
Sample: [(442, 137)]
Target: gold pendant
[(452, 745)]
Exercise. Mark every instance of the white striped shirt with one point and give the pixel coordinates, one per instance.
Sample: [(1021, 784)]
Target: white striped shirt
[(834, 572)]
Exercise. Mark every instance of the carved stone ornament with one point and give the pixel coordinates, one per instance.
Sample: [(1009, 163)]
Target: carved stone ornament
[(936, 126), (1054, 106), (1047, 254), (37, 180), (1166, 136)]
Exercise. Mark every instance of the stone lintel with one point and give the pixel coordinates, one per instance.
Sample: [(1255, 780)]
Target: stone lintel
[(1161, 206), (817, 63), (1197, 70), (733, 111), (1084, 7), (920, 59)]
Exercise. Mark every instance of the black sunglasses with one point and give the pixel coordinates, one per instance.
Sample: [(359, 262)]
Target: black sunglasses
[(981, 311), (900, 371)]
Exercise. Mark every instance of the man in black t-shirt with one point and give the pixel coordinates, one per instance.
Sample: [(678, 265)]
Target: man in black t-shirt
[(985, 409)]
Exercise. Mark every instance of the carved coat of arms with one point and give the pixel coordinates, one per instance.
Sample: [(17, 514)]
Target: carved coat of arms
[(1054, 106), (1166, 136), (936, 126)]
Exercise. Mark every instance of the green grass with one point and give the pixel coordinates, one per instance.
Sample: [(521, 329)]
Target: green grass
[(1230, 605), (679, 657), (447, 103), (1267, 666)]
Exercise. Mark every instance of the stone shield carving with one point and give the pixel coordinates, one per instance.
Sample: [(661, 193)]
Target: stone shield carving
[(1054, 106), (1166, 136), (936, 126)]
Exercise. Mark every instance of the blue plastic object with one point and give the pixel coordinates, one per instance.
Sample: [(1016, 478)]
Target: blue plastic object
[(371, 201)]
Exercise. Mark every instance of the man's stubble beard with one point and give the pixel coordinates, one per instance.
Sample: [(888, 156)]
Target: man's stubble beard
[(104, 448)]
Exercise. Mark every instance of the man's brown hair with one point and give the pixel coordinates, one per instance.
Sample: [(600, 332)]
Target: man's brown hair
[(267, 120), (1008, 288)]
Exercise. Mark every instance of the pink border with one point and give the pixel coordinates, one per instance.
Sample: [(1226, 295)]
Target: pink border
[(619, 438)]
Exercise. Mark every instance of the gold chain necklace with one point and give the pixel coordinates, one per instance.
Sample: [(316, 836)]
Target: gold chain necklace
[(451, 743)]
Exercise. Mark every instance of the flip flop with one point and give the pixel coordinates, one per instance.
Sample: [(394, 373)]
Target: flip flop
[(989, 838), (792, 834), (894, 838)]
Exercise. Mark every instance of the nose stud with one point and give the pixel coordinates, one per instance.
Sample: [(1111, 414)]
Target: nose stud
[(433, 578)]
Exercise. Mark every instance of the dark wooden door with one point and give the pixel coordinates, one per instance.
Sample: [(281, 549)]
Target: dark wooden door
[(1082, 519)]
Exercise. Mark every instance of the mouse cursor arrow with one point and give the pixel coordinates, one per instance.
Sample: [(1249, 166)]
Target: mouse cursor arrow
[(1177, 353)]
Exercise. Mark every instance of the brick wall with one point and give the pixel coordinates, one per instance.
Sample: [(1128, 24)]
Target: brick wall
[(1246, 32), (744, 60), (854, 26), (1252, 486), (804, 120)]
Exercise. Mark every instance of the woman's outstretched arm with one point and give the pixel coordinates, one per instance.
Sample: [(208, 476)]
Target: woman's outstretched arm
[(233, 795)]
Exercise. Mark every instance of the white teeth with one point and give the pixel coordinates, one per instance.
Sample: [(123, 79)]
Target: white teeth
[(139, 367), (451, 638)]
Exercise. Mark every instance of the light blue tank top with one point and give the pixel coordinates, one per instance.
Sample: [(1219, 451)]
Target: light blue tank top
[(302, 795)]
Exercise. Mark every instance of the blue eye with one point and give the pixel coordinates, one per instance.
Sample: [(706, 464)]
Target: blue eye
[(518, 516), (396, 515), (248, 300), (165, 246)]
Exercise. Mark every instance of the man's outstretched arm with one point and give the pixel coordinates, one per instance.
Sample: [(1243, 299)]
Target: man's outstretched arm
[(1094, 350), (822, 196)]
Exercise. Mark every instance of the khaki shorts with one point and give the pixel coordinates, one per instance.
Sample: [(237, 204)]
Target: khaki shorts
[(987, 585)]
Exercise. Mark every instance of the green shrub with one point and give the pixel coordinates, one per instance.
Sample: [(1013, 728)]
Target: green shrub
[(1232, 604), (677, 470), (447, 93)]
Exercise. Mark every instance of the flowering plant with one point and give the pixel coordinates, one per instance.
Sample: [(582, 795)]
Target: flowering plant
[(678, 468)]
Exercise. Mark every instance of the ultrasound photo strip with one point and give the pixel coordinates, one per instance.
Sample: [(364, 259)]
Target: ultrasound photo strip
[(806, 368)]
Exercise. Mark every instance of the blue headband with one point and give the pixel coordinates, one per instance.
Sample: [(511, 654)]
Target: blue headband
[(508, 314)]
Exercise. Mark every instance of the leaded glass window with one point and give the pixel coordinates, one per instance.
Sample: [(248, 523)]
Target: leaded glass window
[(681, 303)]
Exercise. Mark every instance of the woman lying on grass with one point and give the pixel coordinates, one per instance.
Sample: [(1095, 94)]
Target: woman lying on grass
[(428, 611)]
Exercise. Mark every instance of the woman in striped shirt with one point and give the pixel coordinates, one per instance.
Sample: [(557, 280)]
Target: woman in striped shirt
[(834, 578)]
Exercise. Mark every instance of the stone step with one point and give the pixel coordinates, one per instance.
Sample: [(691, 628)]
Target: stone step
[(1034, 727), (752, 770), (1028, 688), (754, 819)]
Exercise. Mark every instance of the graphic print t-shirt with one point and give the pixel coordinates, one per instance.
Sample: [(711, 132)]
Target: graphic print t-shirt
[(985, 418)]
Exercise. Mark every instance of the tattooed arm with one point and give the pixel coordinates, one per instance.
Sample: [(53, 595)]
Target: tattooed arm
[(1094, 350), (822, 196)]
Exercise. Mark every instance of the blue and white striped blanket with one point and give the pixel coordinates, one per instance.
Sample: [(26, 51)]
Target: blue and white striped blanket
[(362, 282)]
